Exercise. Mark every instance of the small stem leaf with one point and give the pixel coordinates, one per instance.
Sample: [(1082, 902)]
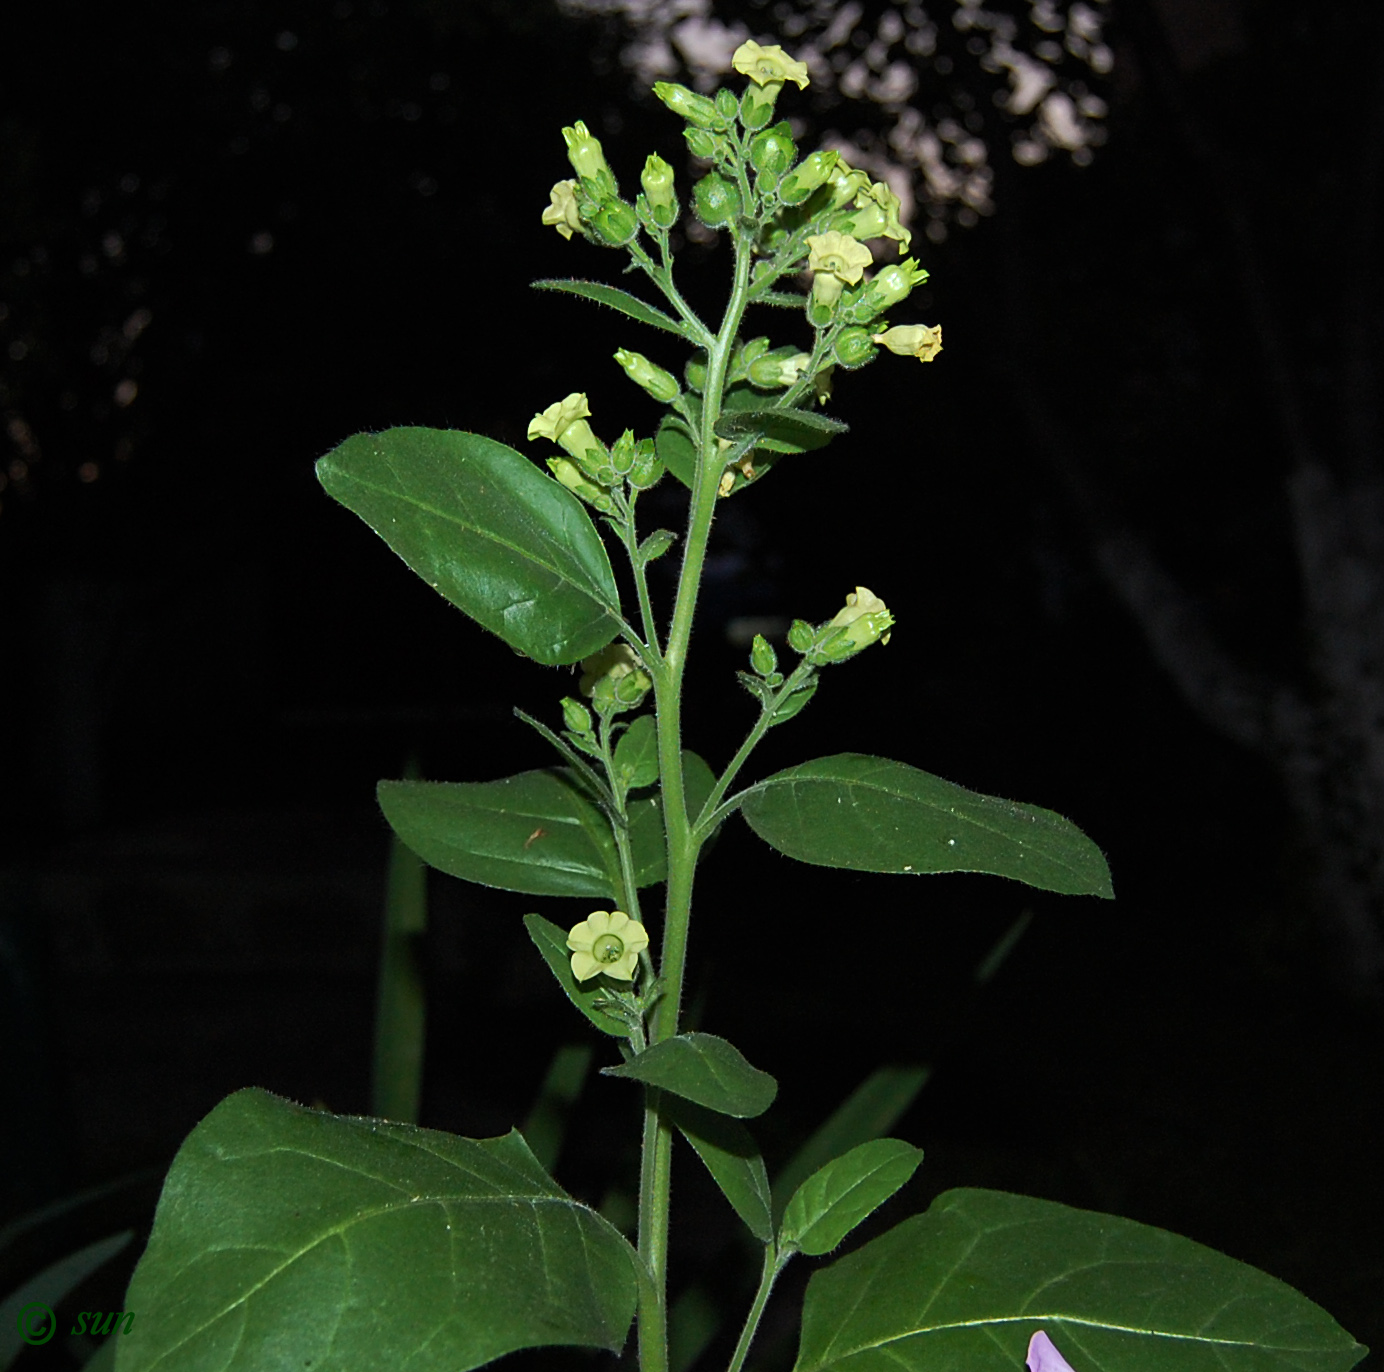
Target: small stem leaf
[(968, 1284), (728, 1152), (617, 299), (551, 941), (869, 814), (873, 1108), (677, 448), (538, 832), (785, 429), (835, 1198), (486, 529), (636, 754), (656, 545), (705, 1070), (288, 1237)]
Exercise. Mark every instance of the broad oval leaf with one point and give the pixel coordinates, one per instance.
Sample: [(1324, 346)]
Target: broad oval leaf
[(617, 299), (288, 1237), (870, 814), (966, 1285), (781, 430), (488, 530), (539, 832), (729, 1153), (636, 754), (551, 942), (705, 1070), (835, 1198)]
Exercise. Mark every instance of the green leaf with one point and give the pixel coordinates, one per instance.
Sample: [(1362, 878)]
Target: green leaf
[(636, 754), (617, 299), (551, 941), (872, 1109), (706, 1070), (288, 1237), (835, 1198), (873, 815), (488, 530), (780, 430), (539, 832), (728, 1152), (677, 448), (966, 1285)]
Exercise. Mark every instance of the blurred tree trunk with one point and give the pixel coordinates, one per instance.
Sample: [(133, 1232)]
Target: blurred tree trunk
[(1320, 724)]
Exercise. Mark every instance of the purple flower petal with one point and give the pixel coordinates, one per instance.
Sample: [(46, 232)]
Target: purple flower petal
[(1044, 1357)]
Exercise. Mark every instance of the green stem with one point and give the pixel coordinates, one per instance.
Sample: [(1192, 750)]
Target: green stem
[(655, 1188), (774, 1263)]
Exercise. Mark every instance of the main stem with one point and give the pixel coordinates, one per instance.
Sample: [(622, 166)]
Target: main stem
[(655, 1179)]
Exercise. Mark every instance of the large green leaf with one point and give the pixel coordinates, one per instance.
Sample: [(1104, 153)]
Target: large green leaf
[(487, 529), (617, 299), (538, 832), (288, 1237), (964, 1287), (729, 1153), (873, 815), (706, 1070), (837, 1197)]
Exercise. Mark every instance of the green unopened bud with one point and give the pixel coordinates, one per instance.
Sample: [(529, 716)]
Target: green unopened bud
[(614, 679), (615, 223), (657, 180), (763, 658), (892, 284), (587, 159), (772, 152), (647, 467), (694, 373), (727, 106), (854, 348), (694, 108), (663, 386), (709, 146), (571, 476), (622, 454), (779, 369), (801, 636), (576, 716), (810, 173), (717, 200)]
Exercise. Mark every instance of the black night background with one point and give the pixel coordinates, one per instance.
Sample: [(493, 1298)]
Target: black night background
[(1130, 523)]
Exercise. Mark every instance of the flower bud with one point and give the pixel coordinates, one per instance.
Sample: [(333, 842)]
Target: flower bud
[(717, 200), (647, 468), (657, 180), (708, 146), (778, 369), (892, 284), (576, 716), (614, 678), (621, 456), (772, 152), (854, 348), (614, 224), (810, 173), (801, 636), (694, 373), (571, 476), (727, 106), (763, 658), (864, 619), (663, 386), (587, 159), (694, 108)]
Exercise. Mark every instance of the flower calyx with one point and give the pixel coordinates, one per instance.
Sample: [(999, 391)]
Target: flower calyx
[(608, 942)]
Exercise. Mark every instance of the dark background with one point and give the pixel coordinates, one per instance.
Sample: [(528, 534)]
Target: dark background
[(234, 234)]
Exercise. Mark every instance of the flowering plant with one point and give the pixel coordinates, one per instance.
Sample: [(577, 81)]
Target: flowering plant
[(290, 1237)]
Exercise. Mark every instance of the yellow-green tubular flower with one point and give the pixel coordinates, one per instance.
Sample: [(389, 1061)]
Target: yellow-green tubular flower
[(565, 424), (778, 369), (891, 285), (810, 173), (866, 620), (836, 260), (587, 159), (694, 108), (607, 941), (663, 386), (876, 215), (844, 183), (657, 181), (769, 66), (912, 340), (562, 212)]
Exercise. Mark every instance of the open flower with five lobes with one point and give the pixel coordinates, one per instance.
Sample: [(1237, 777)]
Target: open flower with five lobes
[(1043, 1356), (836, 260), (922, 341), (562, 213), (608, 941), (769, 66)]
